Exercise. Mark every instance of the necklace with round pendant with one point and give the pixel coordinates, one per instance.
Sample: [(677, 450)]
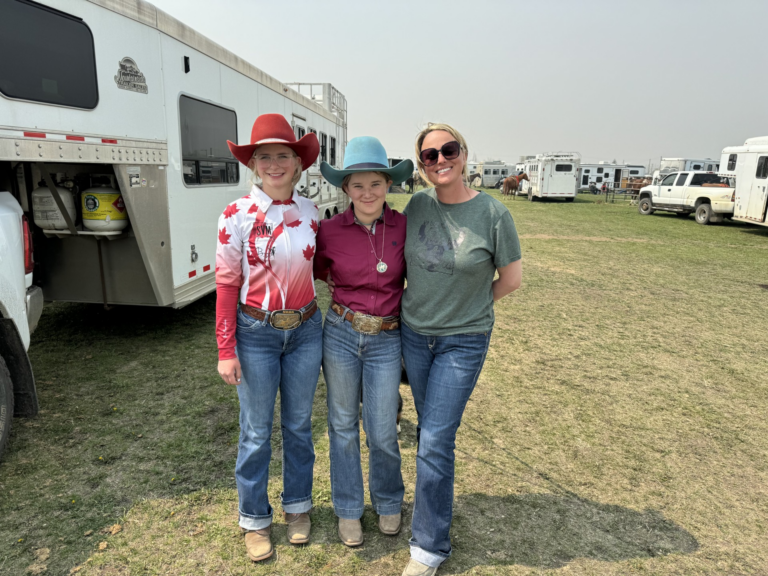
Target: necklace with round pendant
[(381, 267)]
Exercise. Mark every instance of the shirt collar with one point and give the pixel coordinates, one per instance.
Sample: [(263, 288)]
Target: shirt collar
[(263, 201), (349, 218)]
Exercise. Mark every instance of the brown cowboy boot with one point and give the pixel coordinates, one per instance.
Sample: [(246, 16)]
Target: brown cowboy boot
[(298, 527), (258, 544)]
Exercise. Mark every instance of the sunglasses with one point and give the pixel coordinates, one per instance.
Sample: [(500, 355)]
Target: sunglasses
[(449, 150)]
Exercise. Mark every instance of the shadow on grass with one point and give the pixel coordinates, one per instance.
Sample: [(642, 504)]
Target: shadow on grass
[(550, 530)]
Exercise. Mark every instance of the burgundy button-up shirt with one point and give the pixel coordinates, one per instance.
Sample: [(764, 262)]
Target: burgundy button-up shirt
[(344, 250)]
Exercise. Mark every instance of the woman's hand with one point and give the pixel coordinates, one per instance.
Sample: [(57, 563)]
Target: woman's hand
[(331, 285), (229, 370)]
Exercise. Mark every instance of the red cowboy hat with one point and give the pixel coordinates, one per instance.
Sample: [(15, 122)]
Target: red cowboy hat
[(274, 129)]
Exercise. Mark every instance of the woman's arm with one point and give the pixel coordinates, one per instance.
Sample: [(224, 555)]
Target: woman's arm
[(510, 277)]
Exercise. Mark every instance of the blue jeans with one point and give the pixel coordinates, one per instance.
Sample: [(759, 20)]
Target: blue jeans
[(288, 360), (443, 371), (351, 362)]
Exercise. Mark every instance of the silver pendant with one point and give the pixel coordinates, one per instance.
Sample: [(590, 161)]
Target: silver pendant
[(381, 267)]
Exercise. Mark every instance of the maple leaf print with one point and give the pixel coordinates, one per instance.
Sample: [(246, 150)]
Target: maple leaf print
[(294, 224), (253, 209), (231, 210), (223, 236), (309, 252), (314, 226)]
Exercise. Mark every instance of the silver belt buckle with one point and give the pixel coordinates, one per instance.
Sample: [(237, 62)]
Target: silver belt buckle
[(285, 319), (365, 324)]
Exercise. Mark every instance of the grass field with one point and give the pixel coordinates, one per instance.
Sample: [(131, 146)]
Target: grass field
[(619, 426)]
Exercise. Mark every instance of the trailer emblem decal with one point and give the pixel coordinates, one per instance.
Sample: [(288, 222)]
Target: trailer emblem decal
[(129, 77)]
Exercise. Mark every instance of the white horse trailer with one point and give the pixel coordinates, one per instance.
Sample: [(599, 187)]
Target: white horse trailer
[(114, 101), (552, 176), (748, 164), (611, 174)]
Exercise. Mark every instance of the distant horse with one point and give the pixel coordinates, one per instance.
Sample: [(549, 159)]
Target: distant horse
[(476, 180), (512, 183)]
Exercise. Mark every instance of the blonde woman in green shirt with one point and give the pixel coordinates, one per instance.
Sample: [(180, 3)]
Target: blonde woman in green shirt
[(457, 239)]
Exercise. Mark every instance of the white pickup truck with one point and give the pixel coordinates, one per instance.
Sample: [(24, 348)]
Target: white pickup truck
[(21, 304), (708, 195)]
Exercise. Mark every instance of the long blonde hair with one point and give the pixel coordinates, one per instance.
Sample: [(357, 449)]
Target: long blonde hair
[(431, 127)]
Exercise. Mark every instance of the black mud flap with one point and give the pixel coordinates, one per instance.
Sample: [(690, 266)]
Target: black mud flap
[(15, 356)]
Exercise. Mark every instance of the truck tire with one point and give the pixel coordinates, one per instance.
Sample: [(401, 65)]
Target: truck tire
[(645, 206), (704, 214), (6, 405)]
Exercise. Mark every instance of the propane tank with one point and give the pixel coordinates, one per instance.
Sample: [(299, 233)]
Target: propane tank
[(103, 209), (45, 211)]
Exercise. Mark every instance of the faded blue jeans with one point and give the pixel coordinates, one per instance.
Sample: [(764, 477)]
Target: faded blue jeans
[(272, 360), (443, 371), (351, 362)]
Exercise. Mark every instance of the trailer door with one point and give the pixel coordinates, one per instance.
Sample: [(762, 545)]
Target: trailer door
[(758, 193)]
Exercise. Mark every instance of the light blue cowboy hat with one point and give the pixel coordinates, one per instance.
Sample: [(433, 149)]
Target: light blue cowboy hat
[(366, 154)]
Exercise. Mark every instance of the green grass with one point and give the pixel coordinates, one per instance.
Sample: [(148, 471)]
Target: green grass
[(619, 426)]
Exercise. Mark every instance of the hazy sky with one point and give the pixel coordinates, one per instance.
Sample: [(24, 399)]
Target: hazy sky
[(609, 79)]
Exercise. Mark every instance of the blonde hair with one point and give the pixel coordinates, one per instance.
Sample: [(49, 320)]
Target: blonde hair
[(432, 127), (348, 177), (255, 179)]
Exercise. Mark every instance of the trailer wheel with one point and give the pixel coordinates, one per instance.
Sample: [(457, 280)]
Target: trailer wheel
[(704, 214), (645, 206), (6, 405)]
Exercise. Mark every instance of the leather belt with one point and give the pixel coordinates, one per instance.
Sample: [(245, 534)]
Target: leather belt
[(364, 323), (282, 319)]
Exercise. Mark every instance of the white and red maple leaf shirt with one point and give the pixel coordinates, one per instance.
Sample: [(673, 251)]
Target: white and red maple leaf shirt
[(264, 259)]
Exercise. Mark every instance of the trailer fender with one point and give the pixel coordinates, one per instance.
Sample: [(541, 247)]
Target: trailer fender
[(16, 359)]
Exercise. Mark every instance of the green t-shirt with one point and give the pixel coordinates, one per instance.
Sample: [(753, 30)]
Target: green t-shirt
[(452, 252)]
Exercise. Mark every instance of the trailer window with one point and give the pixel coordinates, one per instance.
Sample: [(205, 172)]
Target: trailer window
[(634, 172), (299, 131), (323, 147), (584, 180), (563, 167), (48, 56), (696, 167), (205, 129), (599, 179), (586, 170), (762, 167), (315, 133), (487, 171), (332, 161), (732, 161), (504, 172), (599, 170)]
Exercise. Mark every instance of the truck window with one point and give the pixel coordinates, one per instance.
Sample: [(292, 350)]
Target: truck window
[(762, 167), (205, 129), (699, 179), (48, 56), (681, 179), (563, 167), (669, 180), (732, 161)]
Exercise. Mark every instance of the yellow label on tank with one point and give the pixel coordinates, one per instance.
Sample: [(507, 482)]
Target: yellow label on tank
[(104, 206)]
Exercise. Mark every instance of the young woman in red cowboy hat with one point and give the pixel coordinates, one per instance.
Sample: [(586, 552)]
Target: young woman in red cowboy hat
[(268, 327)]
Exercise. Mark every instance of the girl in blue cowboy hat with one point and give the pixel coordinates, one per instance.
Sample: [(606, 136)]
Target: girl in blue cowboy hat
[(362, 250)]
